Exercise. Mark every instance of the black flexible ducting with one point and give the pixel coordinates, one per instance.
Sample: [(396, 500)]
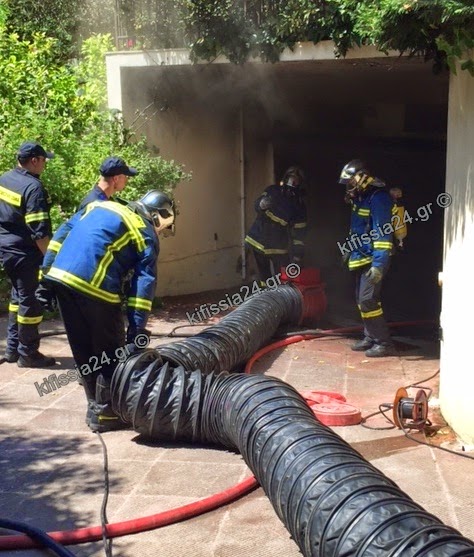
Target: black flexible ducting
[(332, 501), (36, 534), (231, 342)]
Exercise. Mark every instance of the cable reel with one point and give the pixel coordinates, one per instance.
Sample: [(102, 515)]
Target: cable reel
[(411, 413)]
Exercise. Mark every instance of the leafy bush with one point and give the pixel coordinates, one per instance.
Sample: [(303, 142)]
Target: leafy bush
[(63, 107)]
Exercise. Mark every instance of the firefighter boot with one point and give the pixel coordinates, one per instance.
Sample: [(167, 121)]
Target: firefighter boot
[(36, 360), (11, 356), (362, 345), (100, 416), (381, 350)]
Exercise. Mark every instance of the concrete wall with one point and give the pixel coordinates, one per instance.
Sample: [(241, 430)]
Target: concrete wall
[(457, 366), (205, 136)]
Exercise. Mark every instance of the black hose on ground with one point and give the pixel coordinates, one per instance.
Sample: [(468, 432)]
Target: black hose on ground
[(332, 501), (38, 535)]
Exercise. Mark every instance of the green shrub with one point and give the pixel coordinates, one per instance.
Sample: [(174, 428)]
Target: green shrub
[(63, 106)]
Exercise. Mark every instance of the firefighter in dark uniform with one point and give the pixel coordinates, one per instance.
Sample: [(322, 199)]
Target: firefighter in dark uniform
[(277, 234), (25, 230), (369, 249), (114, 174), (87, 261)]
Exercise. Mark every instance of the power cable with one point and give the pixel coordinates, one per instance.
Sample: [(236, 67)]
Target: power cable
[(103, 510)]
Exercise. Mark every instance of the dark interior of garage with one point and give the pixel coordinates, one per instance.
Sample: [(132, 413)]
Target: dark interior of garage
[(393, 115), (417, 166)]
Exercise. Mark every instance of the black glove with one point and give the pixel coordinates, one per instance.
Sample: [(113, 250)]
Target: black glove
[(138, 340), (265, 203), (46, 296)]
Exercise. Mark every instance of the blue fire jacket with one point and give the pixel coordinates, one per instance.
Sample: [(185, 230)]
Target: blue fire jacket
[(24, 215), (97, 249), (370, 238), (281, 226)]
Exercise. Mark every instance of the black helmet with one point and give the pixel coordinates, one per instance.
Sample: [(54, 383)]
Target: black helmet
[(156, 207), (293, 181)]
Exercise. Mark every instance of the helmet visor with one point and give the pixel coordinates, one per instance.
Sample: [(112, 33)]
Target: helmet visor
[(345, 177)]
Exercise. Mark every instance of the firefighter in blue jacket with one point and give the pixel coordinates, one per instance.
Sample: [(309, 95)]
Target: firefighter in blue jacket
[(277, 234), (367, 250), (25, 230), (87, 261)]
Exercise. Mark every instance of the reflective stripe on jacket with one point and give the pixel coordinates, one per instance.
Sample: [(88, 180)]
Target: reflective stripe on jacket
[(24, 213), (371, 235), (95, 251)]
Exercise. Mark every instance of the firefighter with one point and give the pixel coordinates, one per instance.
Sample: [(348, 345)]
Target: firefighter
[(86, 263), (114, 174), (25, 230), (368, 252), (277, 234)]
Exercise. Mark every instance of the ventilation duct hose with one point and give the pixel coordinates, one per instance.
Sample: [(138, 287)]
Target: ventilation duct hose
[(332, 501), (237, 336)]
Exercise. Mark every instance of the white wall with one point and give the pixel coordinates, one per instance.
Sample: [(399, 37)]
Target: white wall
[(457, 361), (205, 252)]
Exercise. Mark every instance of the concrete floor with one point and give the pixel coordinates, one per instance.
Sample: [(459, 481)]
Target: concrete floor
[(52, 465)]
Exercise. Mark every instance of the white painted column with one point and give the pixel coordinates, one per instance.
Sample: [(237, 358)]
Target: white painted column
[(457, 313)]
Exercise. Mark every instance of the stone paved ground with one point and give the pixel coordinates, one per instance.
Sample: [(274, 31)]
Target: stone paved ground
[(52, 466)]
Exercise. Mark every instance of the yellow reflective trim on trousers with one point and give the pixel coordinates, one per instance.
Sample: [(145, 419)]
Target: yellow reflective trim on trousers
[(13, 307), (139, 303), (108, 258), (359, 262), (10, 197), (29, 320), (132, 221), (83, 286), (54, 246), (300, 225), (33, 217), (261, 248), (254, 243), (371, 314), (276, 251), (274, 218), (298, 243), (383, 245)]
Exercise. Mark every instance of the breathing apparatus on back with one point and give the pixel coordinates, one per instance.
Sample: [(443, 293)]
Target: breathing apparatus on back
[(399, 219)]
